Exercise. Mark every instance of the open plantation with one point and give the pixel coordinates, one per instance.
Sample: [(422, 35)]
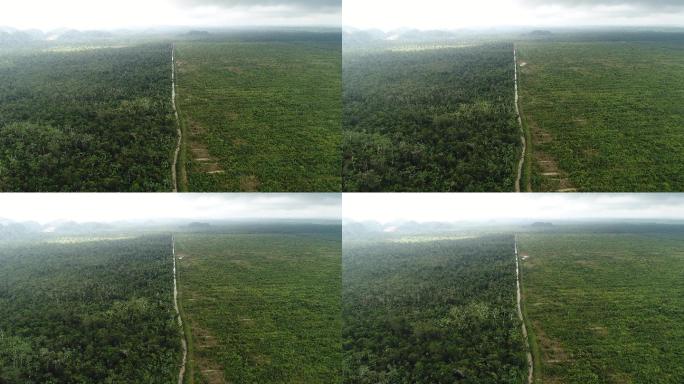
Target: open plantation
[(88, 311), (603, 113), (260, 112), (605, 306), (440, 311), (262, 304), (430, 119), (86, 119)]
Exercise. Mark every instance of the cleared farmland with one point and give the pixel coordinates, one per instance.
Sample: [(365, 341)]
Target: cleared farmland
[(260, 114), (605, 307), (604, 115), (262, 307)]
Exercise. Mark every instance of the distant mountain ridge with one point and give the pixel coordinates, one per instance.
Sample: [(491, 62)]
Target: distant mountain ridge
[(11, 36)]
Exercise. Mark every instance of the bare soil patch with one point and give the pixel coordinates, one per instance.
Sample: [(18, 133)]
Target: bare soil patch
[(621, 378), (552, 351), (200, 153), (211, 372), (580, 120), (591, 152), (203, 338), (599, 330), (246, 321), (249, 183), (260, 360), (211, 167), (539, 135), (184, 67), (547, 164)]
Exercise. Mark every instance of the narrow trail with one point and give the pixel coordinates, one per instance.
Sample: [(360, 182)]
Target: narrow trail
[(181, 373), (522, 131), (174, 174), (530, 364)]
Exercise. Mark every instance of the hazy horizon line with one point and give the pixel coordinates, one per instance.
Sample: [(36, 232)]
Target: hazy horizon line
[(4, 220), (511, 220), (179, 27), (515, 27)]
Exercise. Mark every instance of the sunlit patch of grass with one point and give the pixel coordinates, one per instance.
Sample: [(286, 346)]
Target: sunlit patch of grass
[(426, 47), (87, 239), (82, 48), (430, 238)]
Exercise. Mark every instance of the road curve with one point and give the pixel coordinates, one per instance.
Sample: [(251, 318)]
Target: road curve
[(530, 364), (522, 131), (181, 373), (174, 174)]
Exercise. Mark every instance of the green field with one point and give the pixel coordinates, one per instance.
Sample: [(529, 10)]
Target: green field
[(430, 119), (604, 115), (88, 311), (260, 114), (606, 307), (431, 311), (262, 306), (85, 118)]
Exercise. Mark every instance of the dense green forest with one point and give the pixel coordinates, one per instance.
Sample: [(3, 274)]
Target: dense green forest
[(260, 112), (604, 112), (88, 312), (435, 311), (430, 119), (605, 307), (86, 119), (261, 304)]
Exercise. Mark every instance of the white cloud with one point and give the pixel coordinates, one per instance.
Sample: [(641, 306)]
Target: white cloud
[(106, 207), (450, 14), (110, 14), (456, 207)]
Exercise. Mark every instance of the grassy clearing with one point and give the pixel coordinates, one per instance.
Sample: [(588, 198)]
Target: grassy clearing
[(606, 308), (262, 308), (604, 115), (261, 115)]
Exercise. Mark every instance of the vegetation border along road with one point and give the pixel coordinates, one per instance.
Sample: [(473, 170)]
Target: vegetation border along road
[(174, 173), (530, 361), (522, 131), (532, 343), (181, 373)]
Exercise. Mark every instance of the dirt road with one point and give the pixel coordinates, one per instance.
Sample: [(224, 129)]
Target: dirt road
[(174, 174), (522, 132), (530, 365), (181, 373)]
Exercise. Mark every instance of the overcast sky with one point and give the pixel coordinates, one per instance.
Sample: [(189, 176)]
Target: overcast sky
[(455, 207), (103, 207), (115, 14), (456, 14)]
